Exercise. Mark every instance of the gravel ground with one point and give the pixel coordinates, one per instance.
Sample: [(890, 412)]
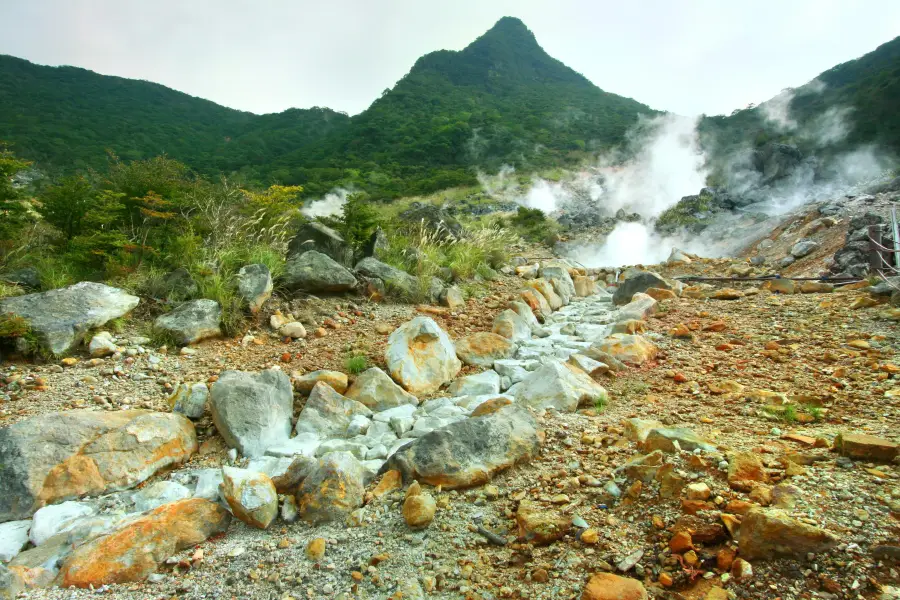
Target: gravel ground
[(796, 345)]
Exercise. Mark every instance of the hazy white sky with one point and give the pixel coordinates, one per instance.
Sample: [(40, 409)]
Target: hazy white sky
[(686, 56)]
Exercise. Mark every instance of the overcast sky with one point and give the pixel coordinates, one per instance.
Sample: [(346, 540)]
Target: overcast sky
[(686, 56)]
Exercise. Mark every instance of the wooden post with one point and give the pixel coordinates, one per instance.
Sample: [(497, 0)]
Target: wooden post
[(875, 260)]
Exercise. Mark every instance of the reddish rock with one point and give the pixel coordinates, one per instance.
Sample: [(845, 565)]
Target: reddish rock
[(539, 525), (745, 470), (770, 532), (482, 349), (135, 549), (866, 447), (606, 586)]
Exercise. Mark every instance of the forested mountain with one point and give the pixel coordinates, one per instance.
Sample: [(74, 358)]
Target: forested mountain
[(500, 100), (851, 104)]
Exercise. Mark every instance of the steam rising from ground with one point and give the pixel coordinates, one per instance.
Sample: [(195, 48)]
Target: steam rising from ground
[(331, 205), (662, 162)]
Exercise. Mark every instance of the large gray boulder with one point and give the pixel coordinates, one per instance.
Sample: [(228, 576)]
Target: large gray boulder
[(469, 452), (375, 390), (327, 413), (13, 537), (420, 356), (322, 239), (803, 247), (254, 284), (61, 456), (60, 318), (562, 282), (640, 282), (333, 490), (27, 277), (192, 321), (394, 280), (314, 271), (559, 386), (252, 411)]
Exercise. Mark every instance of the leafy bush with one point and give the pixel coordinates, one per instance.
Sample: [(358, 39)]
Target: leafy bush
[(357, 223), (533, 225)]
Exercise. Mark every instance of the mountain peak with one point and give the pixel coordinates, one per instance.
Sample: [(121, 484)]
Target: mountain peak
[(508, 31)]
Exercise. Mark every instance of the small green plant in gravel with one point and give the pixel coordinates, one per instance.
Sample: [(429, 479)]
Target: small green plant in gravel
[(356, 364), (815, 412)]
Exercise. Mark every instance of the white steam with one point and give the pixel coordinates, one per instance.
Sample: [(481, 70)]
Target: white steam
[(331, 205), (667, 165), (777, 110), (664, 162)]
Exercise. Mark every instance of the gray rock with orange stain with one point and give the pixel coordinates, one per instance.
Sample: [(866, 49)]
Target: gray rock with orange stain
[(376, 390), (420, 356), (483, 348), (470, 452), (61, 456), (136, 547), (333, 490)]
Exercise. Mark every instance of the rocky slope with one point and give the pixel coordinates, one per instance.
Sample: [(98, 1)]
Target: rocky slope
[(665, 440)]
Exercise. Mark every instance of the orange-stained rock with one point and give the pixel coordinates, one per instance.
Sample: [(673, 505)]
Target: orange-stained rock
[(418, 507), (490, 406), (633, 349), (726, 294), (536, 302), (745, 469), (584, 286), (134, 549), (545, 288), (60, 456), (251, 496), (420, 356), (483, 348), (780, 286), (770, 532), (715, 326), (333, 490), (306, 382), (681, 542), (390, 481), (866, 447), (681, 331), (816, 287), (540, 526), (630, 326), (660, 294), (606, 586)]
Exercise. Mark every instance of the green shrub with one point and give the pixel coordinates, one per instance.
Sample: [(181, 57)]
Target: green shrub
[(356, 364), (223, 290)]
